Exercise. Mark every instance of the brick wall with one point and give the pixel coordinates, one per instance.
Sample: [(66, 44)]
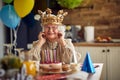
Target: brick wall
[(104, 15)]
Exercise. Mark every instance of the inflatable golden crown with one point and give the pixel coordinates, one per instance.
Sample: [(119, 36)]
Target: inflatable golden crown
[(48, 18)]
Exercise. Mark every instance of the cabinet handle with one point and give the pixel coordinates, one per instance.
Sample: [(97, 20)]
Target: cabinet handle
[(103, 50), (108, 50)]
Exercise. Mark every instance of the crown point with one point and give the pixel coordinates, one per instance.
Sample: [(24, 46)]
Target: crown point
[(48, 18), (65, 13), (60, 11), (48, 10), (40, 12)]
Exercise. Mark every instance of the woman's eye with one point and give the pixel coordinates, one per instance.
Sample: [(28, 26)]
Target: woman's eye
[(47, 27), (51, 28), (54, 27)]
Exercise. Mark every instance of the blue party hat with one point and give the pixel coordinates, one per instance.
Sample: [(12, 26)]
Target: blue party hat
[(88, 65)]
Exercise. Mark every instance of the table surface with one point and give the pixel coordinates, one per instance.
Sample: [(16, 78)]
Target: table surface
[(78, 75), (81, 75)]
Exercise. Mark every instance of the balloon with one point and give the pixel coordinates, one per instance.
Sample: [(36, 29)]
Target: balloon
[(9, 16), (0, 14), (23, 7), (7, 1)]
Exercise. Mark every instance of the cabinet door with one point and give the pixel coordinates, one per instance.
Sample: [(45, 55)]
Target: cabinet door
[(97, 54), (113, 62)]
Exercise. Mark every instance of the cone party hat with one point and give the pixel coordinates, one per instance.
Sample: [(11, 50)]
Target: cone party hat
[(88, 65)]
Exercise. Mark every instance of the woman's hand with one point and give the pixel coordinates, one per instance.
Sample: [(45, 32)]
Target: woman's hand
[(41, 38), (61, 39)]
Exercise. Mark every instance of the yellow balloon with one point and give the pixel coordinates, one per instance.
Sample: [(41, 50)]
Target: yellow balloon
[(23, 7)]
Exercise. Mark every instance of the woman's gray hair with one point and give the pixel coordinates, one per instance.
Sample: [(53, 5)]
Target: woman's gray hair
[(62, 29), (42, 28)]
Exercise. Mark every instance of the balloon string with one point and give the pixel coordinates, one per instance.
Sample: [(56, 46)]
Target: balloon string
[(11, 39), (15, 38), (14, 42)]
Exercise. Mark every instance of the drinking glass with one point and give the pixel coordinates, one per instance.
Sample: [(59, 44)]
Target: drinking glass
[(8, 48)]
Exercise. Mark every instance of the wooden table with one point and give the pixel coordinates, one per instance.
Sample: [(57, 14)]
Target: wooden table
[(81, 75)]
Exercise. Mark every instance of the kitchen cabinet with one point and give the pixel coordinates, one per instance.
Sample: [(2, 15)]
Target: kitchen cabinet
[(110, 56)]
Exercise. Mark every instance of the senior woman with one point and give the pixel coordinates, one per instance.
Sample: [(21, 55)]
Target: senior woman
[(51, 45)]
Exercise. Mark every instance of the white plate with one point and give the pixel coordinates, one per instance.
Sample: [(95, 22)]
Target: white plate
[(62, 72)]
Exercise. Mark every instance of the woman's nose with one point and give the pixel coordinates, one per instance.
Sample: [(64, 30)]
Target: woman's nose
[(50, 30)]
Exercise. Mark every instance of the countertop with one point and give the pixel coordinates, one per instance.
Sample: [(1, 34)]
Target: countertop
[(94, 44), (113, 44)]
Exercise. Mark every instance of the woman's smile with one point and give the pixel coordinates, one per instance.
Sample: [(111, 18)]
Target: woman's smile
[(51, 32)]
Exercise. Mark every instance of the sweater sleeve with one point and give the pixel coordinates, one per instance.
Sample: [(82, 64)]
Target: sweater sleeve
[(69, 53), (35, 51)]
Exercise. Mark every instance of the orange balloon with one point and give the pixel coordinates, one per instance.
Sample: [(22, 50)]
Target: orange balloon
[(23, 7)]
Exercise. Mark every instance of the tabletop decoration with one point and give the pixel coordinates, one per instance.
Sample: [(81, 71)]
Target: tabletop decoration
[(30, 65), (88, 65), (10, 64), (22, 75), (30, 68), (15, 74)]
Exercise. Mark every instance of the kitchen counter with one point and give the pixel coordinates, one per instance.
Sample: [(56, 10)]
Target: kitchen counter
[(115, 44)]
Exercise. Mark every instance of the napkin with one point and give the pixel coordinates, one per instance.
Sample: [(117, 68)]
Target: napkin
[(88, 65)]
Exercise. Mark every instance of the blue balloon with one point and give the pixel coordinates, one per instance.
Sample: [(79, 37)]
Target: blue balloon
[(9, 17), (0, 14)]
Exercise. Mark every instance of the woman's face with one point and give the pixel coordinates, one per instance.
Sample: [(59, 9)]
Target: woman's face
[(51, 31)]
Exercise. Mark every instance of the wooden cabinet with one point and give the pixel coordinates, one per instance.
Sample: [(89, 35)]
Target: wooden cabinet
[(110, 56), (113, 63)]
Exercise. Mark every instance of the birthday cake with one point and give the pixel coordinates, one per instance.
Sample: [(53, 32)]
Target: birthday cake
[(51, 67)]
